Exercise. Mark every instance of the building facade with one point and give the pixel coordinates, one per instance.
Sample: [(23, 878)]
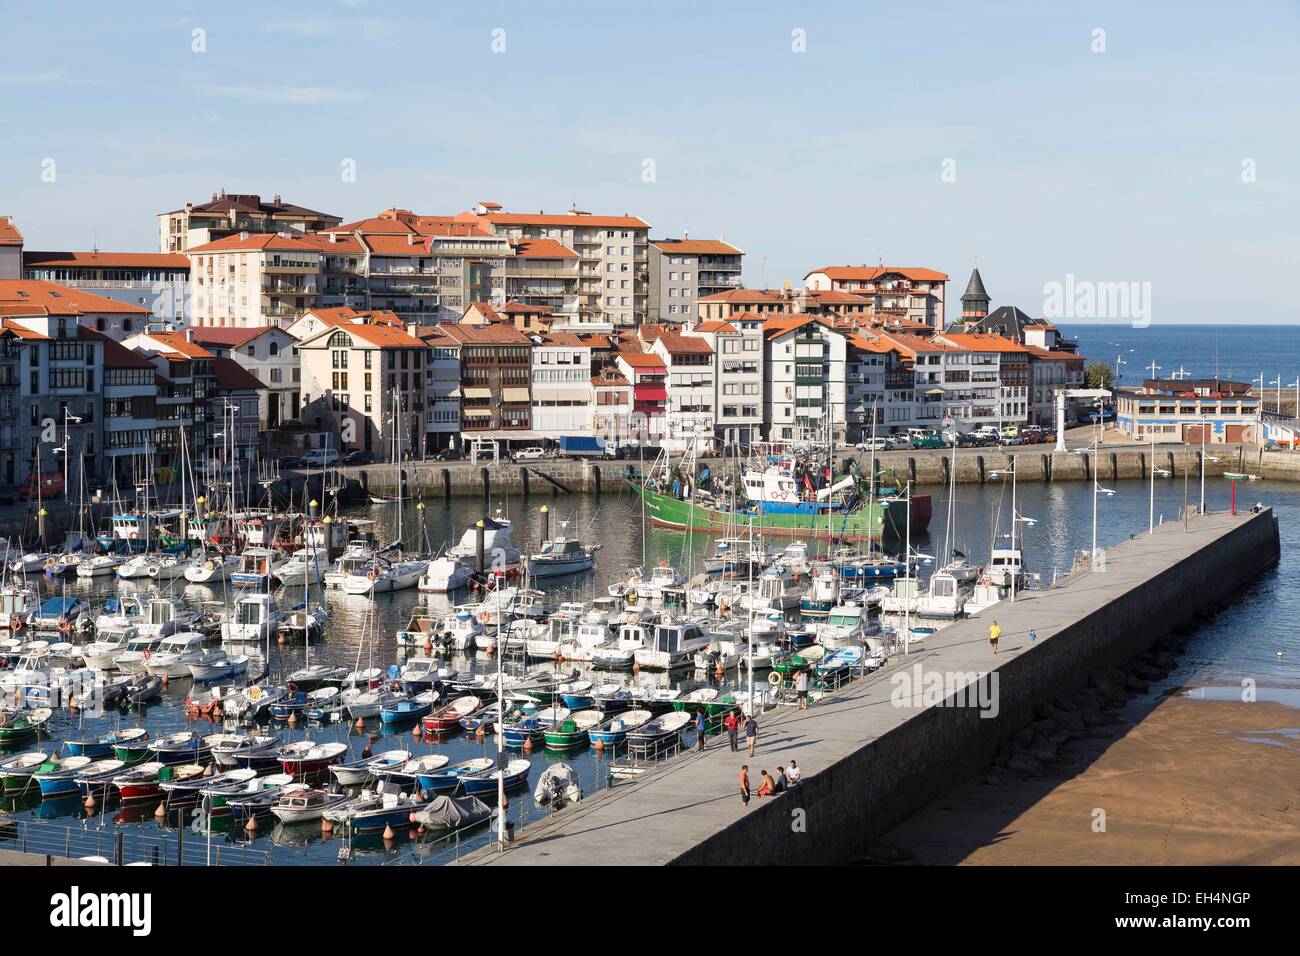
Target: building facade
[(682, 271), (193, 225)]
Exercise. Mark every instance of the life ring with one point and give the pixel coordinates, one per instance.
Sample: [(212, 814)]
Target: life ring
[(146, 654), (15, 624), (774, 678), (134, 535), (253, 692), (483, 617)]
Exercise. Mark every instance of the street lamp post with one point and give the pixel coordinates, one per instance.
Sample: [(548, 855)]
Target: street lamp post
[(1151, 520), (67, 415)]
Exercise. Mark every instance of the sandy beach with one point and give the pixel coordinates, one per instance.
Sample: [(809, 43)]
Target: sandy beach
[(1180, 781)]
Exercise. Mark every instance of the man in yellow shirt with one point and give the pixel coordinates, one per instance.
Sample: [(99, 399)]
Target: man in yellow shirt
[(994, 633)]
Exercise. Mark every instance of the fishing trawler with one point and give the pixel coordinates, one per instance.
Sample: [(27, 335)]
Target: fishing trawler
[(784, 498)]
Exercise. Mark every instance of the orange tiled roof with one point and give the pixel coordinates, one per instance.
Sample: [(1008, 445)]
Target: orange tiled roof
[(60, 299), (717, 326), (252, 241), (642, 359), (742, 295), (497, 333), (9, 233), (108, 260), (177, 343), (977, 342), (696, 247), (870, 273), (572, 218), (543, 249)]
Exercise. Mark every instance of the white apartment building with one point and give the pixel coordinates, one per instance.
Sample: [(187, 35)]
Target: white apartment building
[(253, 280), (156, 282), (682, 271), (898, 293), (562, 395), (690, 410), (270, 354), (805, 374), (737, 346), (442, 367)]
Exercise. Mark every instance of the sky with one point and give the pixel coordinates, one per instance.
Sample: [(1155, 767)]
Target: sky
[(1053, 145)]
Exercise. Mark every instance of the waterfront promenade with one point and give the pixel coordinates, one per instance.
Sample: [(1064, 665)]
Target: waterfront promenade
[(867, 762)]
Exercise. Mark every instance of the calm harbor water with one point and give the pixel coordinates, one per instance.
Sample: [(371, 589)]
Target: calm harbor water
[(1247, 640)]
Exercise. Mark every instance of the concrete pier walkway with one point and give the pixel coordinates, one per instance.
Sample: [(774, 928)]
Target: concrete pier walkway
[(867, 759)]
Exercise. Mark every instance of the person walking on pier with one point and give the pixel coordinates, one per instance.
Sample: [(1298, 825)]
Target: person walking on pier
[(801, 689), (744, 784), (733, 726), (994, 633), (751, 733), (701, 725)]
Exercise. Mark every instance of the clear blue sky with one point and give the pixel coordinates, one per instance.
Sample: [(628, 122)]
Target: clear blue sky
[(1115, 166)]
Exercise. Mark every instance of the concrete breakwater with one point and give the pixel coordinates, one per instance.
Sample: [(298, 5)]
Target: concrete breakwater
[(883, 747), (931, 467)]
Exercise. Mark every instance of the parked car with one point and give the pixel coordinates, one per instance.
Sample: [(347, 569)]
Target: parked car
[(289, 461), (900, 441), (927, 440), (448, 454), (48, 485), (320, 457), (970, 440), (873, 444), (531, 453), (360, 458)]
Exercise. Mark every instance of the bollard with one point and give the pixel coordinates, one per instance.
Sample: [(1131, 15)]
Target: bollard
[(595, 474), (487, 490), (523, 476)]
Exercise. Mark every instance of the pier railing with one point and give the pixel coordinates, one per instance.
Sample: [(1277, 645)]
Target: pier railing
[(120, 847)]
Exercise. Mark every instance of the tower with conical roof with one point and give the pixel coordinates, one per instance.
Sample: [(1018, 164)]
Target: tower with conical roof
[(975, 301)]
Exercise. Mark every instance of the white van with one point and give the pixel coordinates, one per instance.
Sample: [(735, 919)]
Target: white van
[(320, 457)]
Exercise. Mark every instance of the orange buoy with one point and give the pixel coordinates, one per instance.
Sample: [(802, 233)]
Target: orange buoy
[(251, 825), (360, 724), (161, 811), (598, 745), (293, 719), (415, 731), (90, 802), (325, 825), (388, 833)]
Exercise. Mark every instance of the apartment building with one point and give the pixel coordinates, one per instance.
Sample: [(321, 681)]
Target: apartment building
[(1050, 371), (544, 274), (156, 282), (690, 399), (442, 381), (270, 354), (180, 230), (1012, 363), (253, 279), (1189, 410), (238, 400), (805, 375), (50, 395), (365, 382), (130, 414), (901, 293), (184, 408), (563, 400), (613, 257), (612, 416), (737, 345), (496, 371), (682, 271), (113, 318), (647, 373), (11, 249)]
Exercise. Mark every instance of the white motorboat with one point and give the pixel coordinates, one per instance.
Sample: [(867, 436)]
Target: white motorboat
[(384, 575), (673, 644), (211, 569), (175, 654), (100, 564), (444, 574), (256, 617), (304, 567), (944, 598), (217, 664), (305, 805), (562, 555), (111, 641), (357, 558), (499, 553), (29, 563), (558, 785), (136, 656)]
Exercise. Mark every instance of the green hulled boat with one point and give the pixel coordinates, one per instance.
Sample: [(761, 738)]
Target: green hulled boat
[(132, 753), (572, 731), (802, 660), (881, 519), (20, 726)]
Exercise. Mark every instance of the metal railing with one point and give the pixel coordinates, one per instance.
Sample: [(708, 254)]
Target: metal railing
[(121, 847)]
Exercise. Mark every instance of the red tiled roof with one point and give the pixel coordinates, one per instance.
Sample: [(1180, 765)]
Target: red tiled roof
[(497, 333), (232, 376), (228, 337), (117, 355), (696, 247), (573, 218), (717, 326), (9, 233), (60, 299), (642, 359), (252, 202), (178, 343), (251, 241), (108, 260), (742, 295), (543, 249), (976, 342), (871, 273)]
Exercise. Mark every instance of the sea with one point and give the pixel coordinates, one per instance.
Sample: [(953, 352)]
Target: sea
[(1239, 352), (1253, 639)]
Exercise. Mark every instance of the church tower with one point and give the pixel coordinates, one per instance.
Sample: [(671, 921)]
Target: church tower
[(975, 301)]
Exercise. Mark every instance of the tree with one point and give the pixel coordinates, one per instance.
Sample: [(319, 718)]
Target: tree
[(1098, 375)]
